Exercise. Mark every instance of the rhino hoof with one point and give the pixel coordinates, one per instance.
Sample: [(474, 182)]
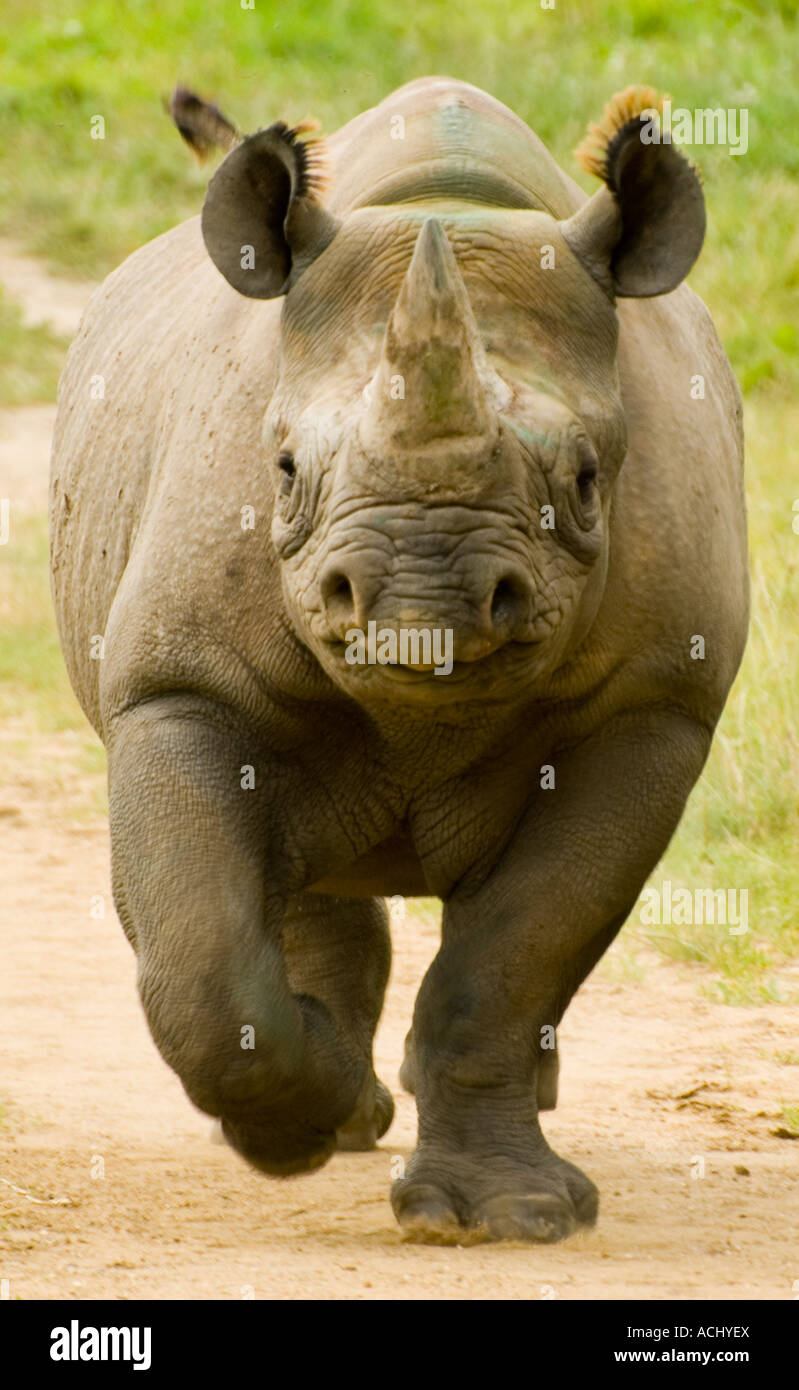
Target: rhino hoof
[(455, 1199), (427, 1218), (537, 1216)]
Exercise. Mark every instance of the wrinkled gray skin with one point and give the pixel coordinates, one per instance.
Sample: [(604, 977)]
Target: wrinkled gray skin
[(263, 906)]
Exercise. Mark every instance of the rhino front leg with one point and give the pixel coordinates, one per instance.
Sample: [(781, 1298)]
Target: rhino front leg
[(201, 886), (546, 1080), (514, 949)]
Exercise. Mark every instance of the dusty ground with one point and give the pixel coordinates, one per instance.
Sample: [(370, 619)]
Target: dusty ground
[(118, 1191), (112, 1188), (44, 298)]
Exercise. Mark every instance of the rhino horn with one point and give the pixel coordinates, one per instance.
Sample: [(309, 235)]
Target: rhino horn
[(431, 382)]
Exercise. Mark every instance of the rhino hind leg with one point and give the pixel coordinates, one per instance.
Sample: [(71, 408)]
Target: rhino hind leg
[(407, 1072), (369, 1120), (547, 1079), (339, 950)]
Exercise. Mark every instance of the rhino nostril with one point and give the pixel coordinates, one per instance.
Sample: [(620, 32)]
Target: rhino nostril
[(509, 602), (337, 596), (339, 587)]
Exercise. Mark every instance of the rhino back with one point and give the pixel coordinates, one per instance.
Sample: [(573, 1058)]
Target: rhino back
[(438, 137)]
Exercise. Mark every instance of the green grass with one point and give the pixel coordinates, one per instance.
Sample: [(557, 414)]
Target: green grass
[(36, 699), (84, 204), (741, 829), (31, 358), (33, 680)]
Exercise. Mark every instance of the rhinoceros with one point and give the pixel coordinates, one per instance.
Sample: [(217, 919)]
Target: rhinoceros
[(403, 384)]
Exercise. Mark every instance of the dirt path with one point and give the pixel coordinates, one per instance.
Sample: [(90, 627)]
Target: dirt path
[(26, 431), (112, 1188), (43, 298), (135, 1200)]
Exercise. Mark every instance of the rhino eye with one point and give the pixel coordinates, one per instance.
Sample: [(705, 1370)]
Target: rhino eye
[(285, 463), (585, 481)]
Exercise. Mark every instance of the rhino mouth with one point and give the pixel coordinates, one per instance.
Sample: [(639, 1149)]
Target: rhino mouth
[(496, 673)]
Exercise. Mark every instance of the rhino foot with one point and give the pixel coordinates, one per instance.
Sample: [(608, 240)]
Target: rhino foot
[(280, 1150), (455, 1199), (370, 1119)]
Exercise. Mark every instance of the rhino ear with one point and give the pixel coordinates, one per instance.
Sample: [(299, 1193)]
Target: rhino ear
[(262, 222), (639, 235)]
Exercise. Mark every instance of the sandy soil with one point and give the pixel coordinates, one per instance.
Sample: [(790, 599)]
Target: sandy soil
[(112, 1187), (44, 298)]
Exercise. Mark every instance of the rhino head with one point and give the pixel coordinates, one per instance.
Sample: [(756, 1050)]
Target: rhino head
[(447, 426)]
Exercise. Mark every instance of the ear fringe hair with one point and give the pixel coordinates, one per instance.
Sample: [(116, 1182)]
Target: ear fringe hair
[(204, 128), (311, 158), (201, 123), (597, 151)]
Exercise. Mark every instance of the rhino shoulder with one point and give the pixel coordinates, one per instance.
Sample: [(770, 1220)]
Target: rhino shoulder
[(162, 348)]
